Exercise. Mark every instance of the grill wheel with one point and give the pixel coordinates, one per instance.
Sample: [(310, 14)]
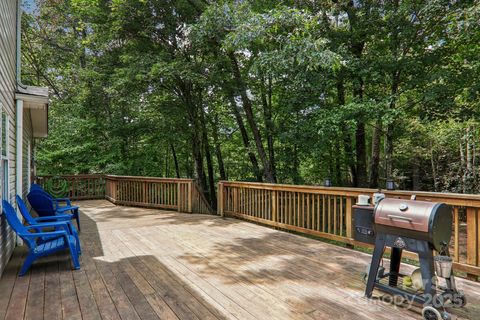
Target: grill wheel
[(430, 313)]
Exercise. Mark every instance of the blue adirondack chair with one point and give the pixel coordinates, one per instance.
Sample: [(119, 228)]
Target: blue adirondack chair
[(58, 201), (58, 239), (39, 222), (45, 206)]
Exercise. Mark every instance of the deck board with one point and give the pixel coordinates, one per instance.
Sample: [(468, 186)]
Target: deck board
[(154, 264)]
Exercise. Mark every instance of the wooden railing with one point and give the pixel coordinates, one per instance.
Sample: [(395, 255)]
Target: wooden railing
[(327, 213), (177, 194), (75, 187)]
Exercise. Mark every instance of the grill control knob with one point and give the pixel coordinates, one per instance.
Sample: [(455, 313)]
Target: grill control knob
[(403, 207)]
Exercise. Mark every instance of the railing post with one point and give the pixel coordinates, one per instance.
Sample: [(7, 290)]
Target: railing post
[(144, 196), (235, 200), (274, 205), (349, 217), (220, 200), (114, 190), (456, 237), (472, 239), (73, 189), (179, 208), (107, 189), (190, 196)]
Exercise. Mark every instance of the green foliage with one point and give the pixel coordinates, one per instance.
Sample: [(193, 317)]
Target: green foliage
[(138, 84)]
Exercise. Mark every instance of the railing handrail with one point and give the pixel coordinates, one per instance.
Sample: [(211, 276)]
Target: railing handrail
[(183, 194), (113, 176), (327, 212), (458, 199), (84, 175), (144, 178)]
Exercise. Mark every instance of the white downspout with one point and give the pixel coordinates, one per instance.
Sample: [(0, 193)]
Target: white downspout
[(19, 116)]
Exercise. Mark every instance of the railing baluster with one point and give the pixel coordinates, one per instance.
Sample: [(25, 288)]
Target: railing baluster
[(472, 241), (334, 215), (341, 216), (456, 234)]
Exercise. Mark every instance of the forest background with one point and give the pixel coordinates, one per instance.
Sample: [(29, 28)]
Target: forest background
[(359, 92)]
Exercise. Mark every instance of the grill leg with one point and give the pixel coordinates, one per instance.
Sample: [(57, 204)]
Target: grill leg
[(376, 258), (427, 268), (395, 259)]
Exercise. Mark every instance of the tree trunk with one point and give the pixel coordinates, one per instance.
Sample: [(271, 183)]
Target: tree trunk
[(175, 160), (361, 155), (360, 140), (266, 94), (208, 156), (218, 149), (338, 170), (395, 46), (247, 106), (416, 173), (469, 156), (166, 173), (347, 140), (296, 165), (390, 127), (389, 152), (245, 138), (357, 44), (375, 162), (197, 156), (434, 169), (192, 112), (188, 165)]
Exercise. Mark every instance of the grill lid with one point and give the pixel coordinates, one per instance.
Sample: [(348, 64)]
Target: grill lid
[(406, 214)]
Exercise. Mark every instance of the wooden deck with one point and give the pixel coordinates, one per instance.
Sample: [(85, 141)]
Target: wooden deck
[(153, 264)]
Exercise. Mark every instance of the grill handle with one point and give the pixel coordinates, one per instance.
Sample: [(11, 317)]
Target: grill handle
[(394, 217)]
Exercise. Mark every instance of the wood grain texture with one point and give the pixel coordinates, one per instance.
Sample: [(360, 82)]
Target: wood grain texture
[(141, 263)]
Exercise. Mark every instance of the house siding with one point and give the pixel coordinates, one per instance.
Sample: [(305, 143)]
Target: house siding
[(8, 12)]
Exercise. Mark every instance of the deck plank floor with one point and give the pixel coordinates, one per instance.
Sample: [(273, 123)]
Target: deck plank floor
[(154, 264)]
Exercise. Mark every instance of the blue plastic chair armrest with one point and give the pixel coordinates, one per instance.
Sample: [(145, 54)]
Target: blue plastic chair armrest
[(58, 217), (67, 200), (44, 234), (65, 209), (64, 224), (63, 199)]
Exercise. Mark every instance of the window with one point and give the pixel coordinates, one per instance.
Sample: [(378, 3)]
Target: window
[(4, 157), (5, 188), (4, 134)]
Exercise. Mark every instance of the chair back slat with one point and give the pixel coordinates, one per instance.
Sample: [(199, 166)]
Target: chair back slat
[(41, 203), (35, 186), (16, 224), (12, 218), (24, 210)]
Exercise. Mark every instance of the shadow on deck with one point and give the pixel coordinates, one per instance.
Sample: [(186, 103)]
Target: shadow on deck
[(151, 264)]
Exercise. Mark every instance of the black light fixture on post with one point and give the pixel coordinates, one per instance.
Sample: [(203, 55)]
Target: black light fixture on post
[(327, 182), (390, 184)]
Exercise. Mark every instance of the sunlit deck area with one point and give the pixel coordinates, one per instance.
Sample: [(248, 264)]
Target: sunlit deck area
[(153, 264)]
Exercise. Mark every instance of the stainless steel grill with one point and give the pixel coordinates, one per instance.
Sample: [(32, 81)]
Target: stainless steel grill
[(421, 227), (421, 220)]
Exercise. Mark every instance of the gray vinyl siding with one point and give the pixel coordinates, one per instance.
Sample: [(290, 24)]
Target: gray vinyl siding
[(8, 9)]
